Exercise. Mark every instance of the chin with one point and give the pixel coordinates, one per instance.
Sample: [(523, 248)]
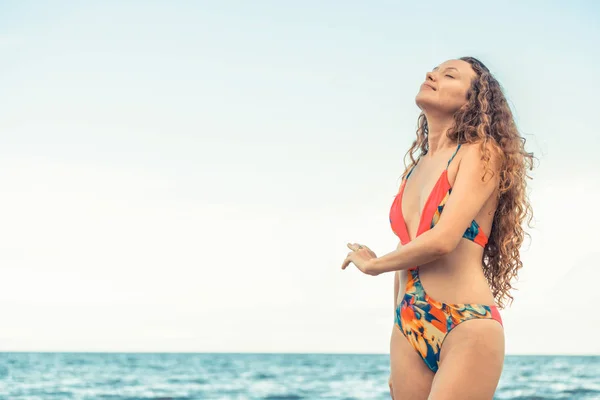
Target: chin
[(432, 105), (425, 101)]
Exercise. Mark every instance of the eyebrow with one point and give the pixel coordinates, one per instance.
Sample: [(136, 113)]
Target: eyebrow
[(447, 68)]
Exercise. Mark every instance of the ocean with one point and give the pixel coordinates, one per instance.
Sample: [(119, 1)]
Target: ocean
[(190, 376)]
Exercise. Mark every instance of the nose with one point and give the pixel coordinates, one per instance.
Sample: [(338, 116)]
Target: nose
[(429, 76)]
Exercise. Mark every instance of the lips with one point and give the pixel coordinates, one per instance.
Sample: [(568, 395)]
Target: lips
[(429, 86)]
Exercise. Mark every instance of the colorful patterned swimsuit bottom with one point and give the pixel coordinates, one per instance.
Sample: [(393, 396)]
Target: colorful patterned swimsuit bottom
[(424, 321)]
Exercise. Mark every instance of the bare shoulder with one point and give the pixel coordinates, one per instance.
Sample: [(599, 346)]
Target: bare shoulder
[(485, 159)]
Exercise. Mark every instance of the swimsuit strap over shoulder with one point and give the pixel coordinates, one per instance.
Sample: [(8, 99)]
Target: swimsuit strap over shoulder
[(449, 161), (413, 167), (453, 155)]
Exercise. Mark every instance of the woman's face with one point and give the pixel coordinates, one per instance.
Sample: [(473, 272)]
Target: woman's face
[(445, 88)]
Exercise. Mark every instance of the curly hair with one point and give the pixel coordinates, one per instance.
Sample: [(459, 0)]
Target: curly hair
[(488, 120)]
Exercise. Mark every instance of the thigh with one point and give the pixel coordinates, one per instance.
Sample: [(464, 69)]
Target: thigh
[(411, 378), (471, 362)]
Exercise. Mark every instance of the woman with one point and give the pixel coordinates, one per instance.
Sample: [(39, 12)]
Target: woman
[(458, 215)]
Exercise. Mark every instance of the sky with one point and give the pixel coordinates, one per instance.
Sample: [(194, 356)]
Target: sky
[(184, 176)]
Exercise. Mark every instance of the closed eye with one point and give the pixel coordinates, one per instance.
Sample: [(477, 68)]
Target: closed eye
[(450, 76)]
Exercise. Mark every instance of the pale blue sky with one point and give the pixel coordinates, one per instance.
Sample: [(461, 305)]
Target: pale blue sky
[(184, 176)]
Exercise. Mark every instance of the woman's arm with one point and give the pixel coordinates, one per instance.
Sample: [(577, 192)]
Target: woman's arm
[(422, 250), (469, 194)]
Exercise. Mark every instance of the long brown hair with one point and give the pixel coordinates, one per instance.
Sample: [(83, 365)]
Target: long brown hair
[(487, 119)]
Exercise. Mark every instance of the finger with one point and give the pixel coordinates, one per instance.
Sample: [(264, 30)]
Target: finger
[(346, 262), (364, 247), (368, 249), (353, 246)]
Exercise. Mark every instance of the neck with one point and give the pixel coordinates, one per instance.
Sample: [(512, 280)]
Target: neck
[(437, 127)]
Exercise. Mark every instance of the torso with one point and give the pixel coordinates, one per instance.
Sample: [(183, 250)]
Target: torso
[(457, 277)]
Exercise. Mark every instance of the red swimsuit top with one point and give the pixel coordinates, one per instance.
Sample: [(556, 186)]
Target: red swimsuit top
[(432, 210)]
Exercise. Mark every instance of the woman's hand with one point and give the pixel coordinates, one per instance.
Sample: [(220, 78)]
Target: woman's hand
[(360, 256)]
